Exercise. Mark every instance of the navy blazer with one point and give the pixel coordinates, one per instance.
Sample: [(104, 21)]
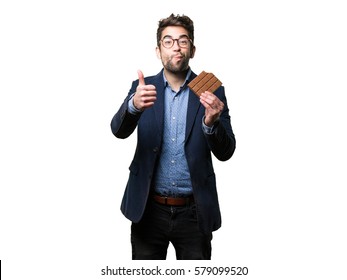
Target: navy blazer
[(198, 148)]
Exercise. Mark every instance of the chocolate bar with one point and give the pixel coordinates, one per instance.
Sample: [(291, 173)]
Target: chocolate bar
[(204, 82)]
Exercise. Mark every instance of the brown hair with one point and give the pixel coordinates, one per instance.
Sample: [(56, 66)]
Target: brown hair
[(177, 20)]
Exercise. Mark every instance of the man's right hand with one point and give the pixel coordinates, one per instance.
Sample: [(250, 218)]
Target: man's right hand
[(145, 95)]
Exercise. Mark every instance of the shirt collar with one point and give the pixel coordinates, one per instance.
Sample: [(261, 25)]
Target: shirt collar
[(185, 82)]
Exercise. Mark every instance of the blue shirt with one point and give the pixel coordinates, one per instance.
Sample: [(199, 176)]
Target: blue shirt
[(172, 175)]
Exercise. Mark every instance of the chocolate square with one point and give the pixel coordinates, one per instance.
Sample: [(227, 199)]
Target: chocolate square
[(204, 82)]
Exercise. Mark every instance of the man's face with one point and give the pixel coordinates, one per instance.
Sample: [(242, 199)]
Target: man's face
[(176, 58)]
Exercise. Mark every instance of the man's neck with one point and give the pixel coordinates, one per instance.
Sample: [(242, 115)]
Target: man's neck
[(175, 80)]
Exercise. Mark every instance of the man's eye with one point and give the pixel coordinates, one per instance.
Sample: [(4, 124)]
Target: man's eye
[(167, 42)]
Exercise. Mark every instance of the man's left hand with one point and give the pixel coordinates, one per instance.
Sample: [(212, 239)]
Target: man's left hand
[(213, 107)]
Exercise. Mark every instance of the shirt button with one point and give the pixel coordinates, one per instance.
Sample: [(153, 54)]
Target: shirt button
[(173, 118), (172, 161)]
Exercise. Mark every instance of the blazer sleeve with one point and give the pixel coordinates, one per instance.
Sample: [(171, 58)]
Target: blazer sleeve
[(222, 142), (123, 122)]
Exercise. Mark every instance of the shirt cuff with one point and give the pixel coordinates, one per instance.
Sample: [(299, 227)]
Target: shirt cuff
[(207, 129), (131, 107)]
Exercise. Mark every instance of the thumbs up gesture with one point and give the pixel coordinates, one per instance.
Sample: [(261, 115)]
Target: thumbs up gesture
[(145, 95)]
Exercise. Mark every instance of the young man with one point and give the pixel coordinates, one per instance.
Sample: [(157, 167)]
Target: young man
[(171, 193)]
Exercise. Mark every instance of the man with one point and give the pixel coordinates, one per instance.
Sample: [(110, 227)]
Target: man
[(171, 193)]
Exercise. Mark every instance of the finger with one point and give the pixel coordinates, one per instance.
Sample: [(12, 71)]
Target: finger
[(211, 98), (207, 93), (206, 104), (208, 99), (214, 104), (141, 78), (149, 93)]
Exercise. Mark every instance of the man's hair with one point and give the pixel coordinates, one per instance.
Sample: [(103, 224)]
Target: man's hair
[(177, 20)]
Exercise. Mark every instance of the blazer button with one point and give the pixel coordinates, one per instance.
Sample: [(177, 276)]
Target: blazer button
[(155, 150)]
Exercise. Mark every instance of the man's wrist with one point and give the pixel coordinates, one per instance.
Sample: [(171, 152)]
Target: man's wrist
[(207, 129), (131, 106)]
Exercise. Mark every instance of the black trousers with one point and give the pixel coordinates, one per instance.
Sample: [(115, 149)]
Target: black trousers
[(162, 224)]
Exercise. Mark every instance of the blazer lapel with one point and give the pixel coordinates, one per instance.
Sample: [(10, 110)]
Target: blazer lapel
[(193, 107), (159, 103)]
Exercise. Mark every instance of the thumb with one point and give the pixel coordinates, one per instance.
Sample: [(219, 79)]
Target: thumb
[(141, 78)]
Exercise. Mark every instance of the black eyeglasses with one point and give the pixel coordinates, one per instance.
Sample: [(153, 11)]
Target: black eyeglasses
[(182, 42)]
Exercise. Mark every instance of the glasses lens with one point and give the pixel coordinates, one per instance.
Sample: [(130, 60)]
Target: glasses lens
[(183, 42), (167, 42)]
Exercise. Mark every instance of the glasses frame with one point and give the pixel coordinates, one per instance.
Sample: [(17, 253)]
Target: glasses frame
[(177, 40)]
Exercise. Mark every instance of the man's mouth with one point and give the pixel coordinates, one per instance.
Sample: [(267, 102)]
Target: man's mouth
[(178, 57)]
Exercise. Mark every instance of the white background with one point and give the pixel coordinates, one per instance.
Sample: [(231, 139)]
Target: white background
[(66, 66)]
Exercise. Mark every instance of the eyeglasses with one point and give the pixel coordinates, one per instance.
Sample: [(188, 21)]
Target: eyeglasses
[(182, 42)]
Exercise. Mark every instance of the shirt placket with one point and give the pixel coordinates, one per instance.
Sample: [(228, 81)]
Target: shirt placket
[(173, 140)]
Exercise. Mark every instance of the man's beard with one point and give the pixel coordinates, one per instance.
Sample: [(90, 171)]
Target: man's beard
[(181, 67)]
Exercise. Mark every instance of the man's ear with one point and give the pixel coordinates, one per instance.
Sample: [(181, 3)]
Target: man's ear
[(192, 52), (157, 50)]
